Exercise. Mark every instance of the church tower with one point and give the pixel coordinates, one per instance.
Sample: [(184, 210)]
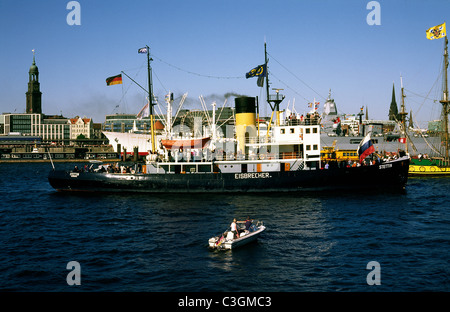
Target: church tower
[(34, 95)]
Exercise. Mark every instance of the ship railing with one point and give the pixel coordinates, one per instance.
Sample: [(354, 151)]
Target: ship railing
[(312, 121), (259, 140), (259, 156)]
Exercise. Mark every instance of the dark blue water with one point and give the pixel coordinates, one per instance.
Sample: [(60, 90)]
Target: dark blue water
[(314, 241)]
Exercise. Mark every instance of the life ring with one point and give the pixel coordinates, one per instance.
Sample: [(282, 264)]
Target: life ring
[(261, 156), (433, 168), (300, 136), (412, 168), (422, 169)]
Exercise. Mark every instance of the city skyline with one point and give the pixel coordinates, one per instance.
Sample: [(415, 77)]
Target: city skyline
[(206, 48)]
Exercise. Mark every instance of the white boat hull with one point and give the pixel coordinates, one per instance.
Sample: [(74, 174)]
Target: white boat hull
[(128, 141)]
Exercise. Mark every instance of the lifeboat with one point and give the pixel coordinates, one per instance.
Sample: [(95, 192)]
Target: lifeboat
[(186, 143)]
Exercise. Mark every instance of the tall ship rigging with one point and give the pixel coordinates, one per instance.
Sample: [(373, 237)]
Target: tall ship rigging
[(286, 159), (438, 165)]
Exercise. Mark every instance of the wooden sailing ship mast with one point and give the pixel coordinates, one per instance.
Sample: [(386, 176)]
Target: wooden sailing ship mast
[(403, 117), (438, 32), (445, 101)]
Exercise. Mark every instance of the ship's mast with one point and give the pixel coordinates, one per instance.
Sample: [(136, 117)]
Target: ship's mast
[(150, 96), (277, 98), (169, 101), (267, 74), (445, 101), (403, 116)]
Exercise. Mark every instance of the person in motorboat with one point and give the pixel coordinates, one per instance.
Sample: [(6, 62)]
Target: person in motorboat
[(248, 224), (234, 228)]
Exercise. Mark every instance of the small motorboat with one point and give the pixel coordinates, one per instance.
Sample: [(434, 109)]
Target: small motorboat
[(228, 241)]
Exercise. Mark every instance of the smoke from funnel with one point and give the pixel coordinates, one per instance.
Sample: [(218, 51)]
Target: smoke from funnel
[(229, 94)]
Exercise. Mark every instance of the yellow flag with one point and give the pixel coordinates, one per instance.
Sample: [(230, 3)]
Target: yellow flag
[(436, 32)]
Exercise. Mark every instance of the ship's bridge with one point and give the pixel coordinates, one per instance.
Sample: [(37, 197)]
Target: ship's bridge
[(293, 139)]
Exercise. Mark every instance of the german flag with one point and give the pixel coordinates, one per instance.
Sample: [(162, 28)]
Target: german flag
[(114, 80)]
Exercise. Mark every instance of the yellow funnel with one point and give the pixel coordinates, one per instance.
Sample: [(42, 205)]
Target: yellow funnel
[(245, 121)]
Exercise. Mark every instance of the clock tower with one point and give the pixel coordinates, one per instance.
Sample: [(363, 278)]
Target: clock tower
[(34, 104)]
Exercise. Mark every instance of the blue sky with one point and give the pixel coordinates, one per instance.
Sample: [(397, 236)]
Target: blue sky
[(325, 45)]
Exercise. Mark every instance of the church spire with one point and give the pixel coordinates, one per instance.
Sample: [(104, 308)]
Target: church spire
[(393, 109), (34, 71)]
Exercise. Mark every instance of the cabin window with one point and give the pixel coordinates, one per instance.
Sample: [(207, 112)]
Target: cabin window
[(291, 130), (282, 131), (308, 147), (307, 130), (314, 130), (315, 147)]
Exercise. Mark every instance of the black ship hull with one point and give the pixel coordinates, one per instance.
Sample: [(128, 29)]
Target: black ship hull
[(390, 176)]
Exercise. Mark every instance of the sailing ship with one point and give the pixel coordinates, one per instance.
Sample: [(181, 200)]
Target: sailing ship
[(440, 164), (287, 159)]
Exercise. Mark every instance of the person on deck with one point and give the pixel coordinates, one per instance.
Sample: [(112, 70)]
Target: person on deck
[(234, 228), (248, 223)]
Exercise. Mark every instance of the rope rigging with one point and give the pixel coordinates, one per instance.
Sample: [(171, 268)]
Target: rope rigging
[(427, 96), (241, 77), (238, 77), (194, 73), (296, 76)]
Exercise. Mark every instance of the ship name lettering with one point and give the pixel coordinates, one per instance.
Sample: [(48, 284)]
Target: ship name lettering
[(252, 175), (385, 166)]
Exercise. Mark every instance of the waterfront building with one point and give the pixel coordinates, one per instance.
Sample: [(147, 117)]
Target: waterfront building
[(435, 126), (49, 128), (81, 126)]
